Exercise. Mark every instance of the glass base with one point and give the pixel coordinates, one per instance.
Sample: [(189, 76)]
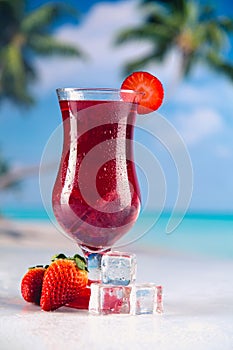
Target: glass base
[(94, 265)]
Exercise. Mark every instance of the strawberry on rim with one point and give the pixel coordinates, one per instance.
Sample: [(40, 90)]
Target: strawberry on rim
[(150, 86)]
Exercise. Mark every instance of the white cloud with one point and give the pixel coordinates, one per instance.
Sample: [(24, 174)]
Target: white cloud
[(199, 124), (95, 36), (223, 151), (206, 89), (203, 96)]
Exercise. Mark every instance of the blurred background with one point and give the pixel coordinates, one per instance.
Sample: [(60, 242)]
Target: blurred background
[(186, 44)]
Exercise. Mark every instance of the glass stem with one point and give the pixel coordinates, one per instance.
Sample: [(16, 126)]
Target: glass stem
[(94, 264)]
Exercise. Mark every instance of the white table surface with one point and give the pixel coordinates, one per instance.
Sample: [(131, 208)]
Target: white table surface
[(198, 303)]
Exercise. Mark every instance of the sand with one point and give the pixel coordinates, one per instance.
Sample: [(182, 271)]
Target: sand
[(198, 300)]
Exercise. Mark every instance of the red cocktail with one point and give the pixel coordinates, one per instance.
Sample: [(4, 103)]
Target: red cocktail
[(96, 197)]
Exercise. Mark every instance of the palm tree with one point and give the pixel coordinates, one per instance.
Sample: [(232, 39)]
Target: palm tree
[(4, 168), (24, 35), (195, 31)]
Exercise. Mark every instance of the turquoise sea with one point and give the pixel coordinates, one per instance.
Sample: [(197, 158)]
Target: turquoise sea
[(203, 234)]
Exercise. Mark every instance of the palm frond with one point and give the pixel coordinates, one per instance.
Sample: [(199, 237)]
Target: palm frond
[(12, 64), (157, 54), (4, 166), (175, 5), (188, 63), (207, 12), (8, 20), (14, 78), (5, 169), (11, 9), (227, 69), (214, 35), (48, 45), (148, 32), (155, 15), (132, 34), (226, 23), (137, 64), (192, 13), (195, 30), (29, 70), (45, 16), (24, 36), (220, 65)]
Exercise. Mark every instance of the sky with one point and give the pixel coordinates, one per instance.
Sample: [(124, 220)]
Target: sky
[(197, 111)]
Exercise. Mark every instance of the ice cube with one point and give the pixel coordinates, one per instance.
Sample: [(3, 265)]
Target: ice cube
[(146, 298), (134, 299), (109, 299), (94, 266), (118, 268)]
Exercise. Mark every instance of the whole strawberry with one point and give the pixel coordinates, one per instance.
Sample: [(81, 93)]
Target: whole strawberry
[(31, 284), (63, 280)]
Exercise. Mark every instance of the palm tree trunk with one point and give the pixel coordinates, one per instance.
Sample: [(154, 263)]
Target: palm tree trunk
[(178, 72), (14, 176)]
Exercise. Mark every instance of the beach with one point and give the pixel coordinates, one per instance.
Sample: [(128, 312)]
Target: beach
[(198, 299)]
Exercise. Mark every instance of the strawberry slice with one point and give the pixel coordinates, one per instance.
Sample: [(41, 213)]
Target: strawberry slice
[(151, 88), (82, 301)]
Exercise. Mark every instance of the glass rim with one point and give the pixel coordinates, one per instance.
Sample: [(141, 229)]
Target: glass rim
[(94, 90)]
